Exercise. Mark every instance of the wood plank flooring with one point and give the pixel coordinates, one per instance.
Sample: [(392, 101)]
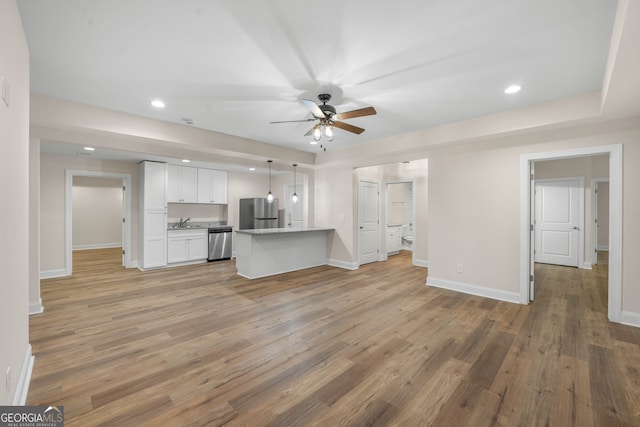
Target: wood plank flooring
[(200, 345)]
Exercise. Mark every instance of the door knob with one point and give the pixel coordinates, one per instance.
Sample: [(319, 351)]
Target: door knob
[(576, 228), (361, 228)]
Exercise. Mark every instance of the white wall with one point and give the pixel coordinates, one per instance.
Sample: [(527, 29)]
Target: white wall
[(474, 210), (15, 351), (96, 212)]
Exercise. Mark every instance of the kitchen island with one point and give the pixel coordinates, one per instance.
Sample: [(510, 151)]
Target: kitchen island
[(270, 251)]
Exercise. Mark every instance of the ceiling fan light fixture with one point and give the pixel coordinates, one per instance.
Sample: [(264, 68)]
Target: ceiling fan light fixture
[(328, 132), (317, 133)]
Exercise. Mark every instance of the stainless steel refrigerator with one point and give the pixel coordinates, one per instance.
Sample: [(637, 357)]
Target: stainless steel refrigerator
[(258, 213)]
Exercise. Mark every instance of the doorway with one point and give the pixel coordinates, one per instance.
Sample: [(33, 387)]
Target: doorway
[(527, 238), (399, 218), (600, 215), (126, 214)]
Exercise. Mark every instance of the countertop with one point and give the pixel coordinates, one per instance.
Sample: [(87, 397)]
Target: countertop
[(267, 231), (197, 225)]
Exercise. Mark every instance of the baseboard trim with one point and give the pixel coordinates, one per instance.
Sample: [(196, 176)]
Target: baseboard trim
[(20, 397), (630, 318), (50, 274), (97, 246), (480, 291), (421, 263), (604, 248), (36, 307), (586, 265), (134, 264), (343, 264)]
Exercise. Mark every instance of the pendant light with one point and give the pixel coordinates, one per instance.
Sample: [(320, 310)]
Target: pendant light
[(294, 198), (270, 194)]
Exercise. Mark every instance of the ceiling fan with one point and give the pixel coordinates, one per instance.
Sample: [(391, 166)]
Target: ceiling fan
[(328, 118)]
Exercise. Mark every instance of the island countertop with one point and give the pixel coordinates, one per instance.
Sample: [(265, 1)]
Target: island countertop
[(265, 231), (269, 251)]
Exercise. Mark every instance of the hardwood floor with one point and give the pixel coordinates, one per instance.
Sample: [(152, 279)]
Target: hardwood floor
[(200, 345)]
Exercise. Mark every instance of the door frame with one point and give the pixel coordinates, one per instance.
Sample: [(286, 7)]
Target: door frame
[(385, 197), (581, 213), (594, 218), (359, 206), (614, 152), (126, 214)]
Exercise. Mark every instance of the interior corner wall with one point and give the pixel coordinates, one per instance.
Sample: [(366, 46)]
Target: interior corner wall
[(15, 353), (474, 207), (52, 205), (35, 302), (334, 200)]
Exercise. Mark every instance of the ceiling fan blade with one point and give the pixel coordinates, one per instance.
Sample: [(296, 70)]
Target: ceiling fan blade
[(315, 110), (294, 121), (368, 111), (348, 127), (310, 131)]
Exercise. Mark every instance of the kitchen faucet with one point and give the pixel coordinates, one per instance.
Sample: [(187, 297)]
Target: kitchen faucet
[(183, 223)]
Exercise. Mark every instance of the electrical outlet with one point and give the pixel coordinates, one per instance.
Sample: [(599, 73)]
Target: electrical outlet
[(8, 379), (459, 268)]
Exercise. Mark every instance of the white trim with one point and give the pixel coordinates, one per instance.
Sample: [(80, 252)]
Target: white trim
[(581, 214), (358, 225), (36, 307), (126, 213), (20, 396), (615, 219), (135, 264), (480, 291), (50, 274), (191, 262), (586, 265), (343, 264), (630, 318), (421, 263), (97, 246), (594, 216)]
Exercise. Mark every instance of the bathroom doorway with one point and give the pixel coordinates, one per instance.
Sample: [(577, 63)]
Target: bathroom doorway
[(400, 218)]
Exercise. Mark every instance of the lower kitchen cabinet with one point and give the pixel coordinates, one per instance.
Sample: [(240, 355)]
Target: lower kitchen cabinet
[(187, 245)]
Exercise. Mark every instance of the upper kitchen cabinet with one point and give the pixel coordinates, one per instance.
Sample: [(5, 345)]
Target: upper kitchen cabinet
[(183, 184), (212, 186), (154, 183)]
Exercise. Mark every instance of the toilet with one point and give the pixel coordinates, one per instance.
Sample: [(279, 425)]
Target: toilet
[(407, 237)]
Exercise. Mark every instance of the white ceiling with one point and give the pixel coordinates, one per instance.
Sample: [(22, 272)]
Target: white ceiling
[(235, 66)]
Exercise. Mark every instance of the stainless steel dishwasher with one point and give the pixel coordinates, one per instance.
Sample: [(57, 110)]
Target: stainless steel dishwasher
[(219, 243)]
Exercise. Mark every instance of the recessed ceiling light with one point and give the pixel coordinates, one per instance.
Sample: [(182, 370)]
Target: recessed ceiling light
[(513, 89), (157, 103), (89, 148), (252, 169), (185, 161)]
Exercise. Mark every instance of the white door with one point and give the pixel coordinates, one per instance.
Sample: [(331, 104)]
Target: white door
[(557, 221), (368, 221)]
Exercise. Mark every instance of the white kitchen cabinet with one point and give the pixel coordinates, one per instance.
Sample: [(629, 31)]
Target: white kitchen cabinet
[(394, 240), (182, 184), (153, 214), (187, 245), (212, 186)]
